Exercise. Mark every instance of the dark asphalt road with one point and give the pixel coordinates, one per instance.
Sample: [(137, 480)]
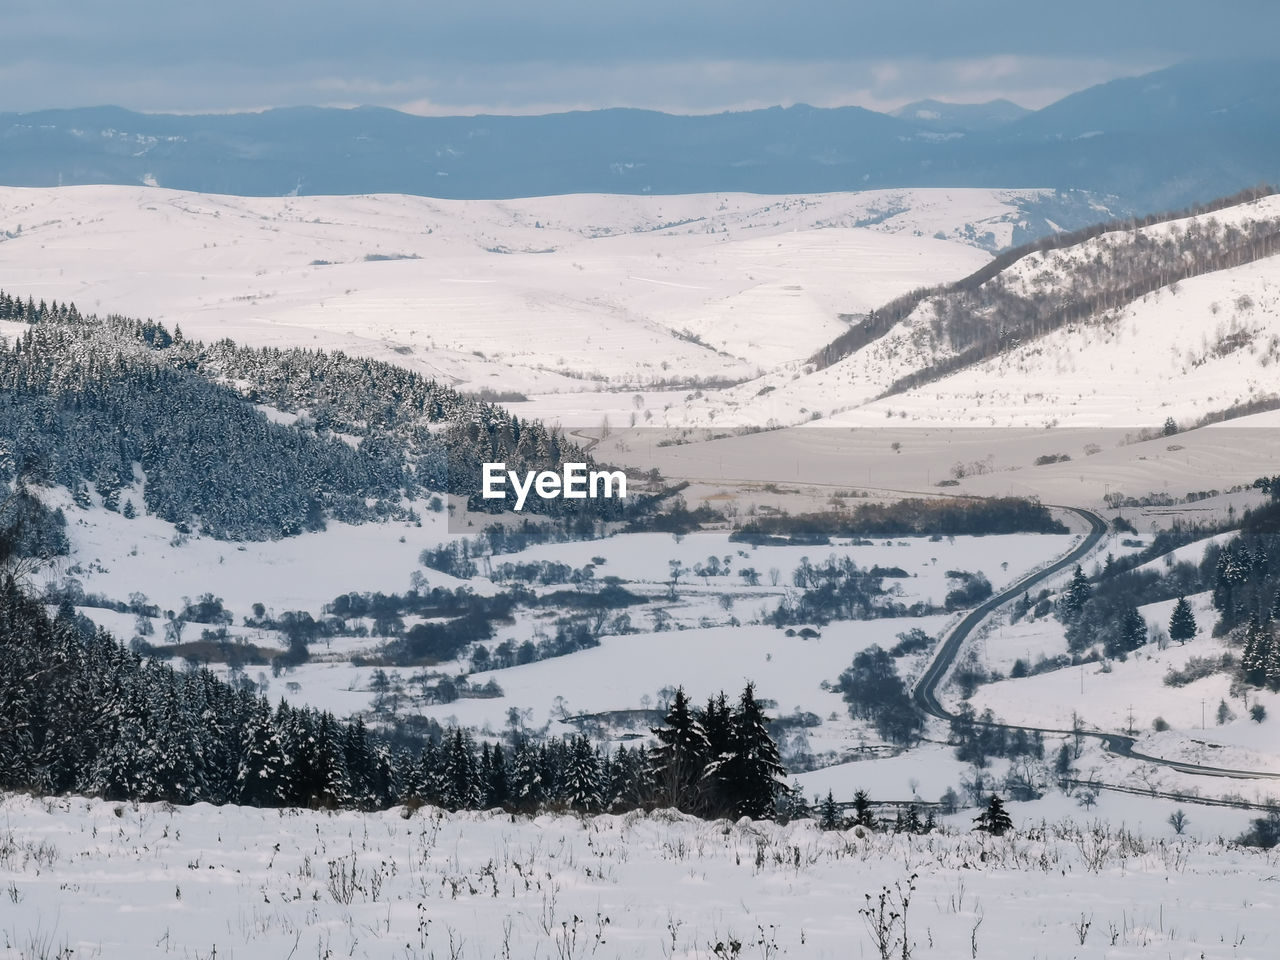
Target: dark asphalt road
[(926, 689)]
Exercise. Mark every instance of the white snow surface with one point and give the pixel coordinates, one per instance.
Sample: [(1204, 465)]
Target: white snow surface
[(1214, 336), (545, 295), (91, 878)]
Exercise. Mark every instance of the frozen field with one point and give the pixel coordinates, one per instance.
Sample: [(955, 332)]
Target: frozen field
[(892, 460), (93, 879)]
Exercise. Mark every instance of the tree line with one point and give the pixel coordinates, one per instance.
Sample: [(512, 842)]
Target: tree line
[(913, 516), (85, 715)]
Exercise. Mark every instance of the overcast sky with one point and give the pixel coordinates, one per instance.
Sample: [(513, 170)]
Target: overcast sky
[(504, 56)]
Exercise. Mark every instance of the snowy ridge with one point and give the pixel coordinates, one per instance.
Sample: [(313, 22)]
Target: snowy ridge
[(1213, 335)]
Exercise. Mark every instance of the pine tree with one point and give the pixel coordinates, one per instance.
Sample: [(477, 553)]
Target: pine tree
[(1273, 660), (582, 776), (716, 722), (1133, 630), (360, 764), (120, 770), (1182, 622), (751, 771), (331, 761), (498, 793), (995, 819), (297, 736), (620, 781), (1063, 766), (551, 766), (1076, 595), (527, 789), (829, 817), (681, 756), (459, 772), (1128, 635), (384, 781), (262, 776), (426, 784), (911, 823), (1257, 655), (862, 813), (788, 803)]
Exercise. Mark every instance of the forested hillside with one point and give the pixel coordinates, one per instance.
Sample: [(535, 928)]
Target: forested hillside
[(1036, 289), (152, 420), (84, 715)]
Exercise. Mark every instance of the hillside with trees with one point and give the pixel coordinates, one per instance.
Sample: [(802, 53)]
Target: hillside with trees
[(85, 715), (1035, 289), (150, 420)]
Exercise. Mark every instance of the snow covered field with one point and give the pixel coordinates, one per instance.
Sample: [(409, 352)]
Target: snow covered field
[(92, 879), (709, 637), (893, 460)]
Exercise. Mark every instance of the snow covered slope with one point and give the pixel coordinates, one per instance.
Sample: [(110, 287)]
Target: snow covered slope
[(543, 295), (706, 306), (1182, 349)]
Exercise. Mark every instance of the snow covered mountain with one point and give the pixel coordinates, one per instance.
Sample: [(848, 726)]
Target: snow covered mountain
[(722, 309), (1179, 136)]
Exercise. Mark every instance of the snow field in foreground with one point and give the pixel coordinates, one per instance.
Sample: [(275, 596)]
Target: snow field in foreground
[(117, 880)]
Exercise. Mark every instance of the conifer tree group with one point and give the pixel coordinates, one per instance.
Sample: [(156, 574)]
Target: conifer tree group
[(85, 399), (82, 714), (717, 761)]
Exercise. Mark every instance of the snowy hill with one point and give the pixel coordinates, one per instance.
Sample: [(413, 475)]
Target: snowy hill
[(705, 307), (629, 293), (1177, 319)]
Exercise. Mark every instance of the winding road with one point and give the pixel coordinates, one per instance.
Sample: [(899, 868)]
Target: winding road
[(925, 693)]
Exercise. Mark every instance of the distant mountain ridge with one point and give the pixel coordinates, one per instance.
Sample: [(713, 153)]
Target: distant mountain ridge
[(1167, 139), (971, 117)]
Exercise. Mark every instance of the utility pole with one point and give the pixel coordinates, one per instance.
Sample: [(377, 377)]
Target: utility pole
[(1131, 719), (1201, 713)]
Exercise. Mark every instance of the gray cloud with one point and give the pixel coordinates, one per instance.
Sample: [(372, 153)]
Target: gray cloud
[(500, 55)]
